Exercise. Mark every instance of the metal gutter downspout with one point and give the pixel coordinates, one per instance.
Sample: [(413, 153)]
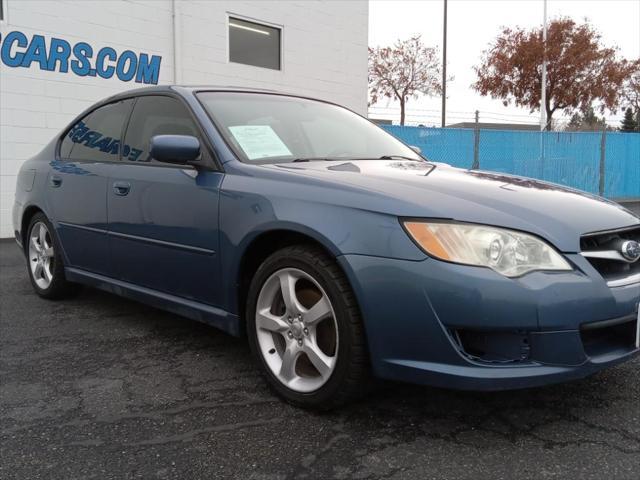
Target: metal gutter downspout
[(177, 42)]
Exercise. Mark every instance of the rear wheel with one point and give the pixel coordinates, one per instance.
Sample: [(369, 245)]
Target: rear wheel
[(44, 259), (304, 327)]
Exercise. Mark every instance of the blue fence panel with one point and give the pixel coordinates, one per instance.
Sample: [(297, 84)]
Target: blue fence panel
[(571, 159), (622, 166), (449, 145), (510, 152), (567, 158)]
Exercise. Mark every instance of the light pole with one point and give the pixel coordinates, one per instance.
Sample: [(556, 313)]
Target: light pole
[(543, 94), (444, 65)]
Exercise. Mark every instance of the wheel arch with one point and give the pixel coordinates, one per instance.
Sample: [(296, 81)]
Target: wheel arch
[(259, 247), (28, 213)]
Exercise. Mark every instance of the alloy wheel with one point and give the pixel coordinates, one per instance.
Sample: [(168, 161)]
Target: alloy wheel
[(297, 331), (41, 255)]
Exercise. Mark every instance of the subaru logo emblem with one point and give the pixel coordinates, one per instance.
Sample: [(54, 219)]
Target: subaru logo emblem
[(631, 250)]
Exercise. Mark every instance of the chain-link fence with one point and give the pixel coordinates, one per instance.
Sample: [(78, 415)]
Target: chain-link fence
[(604, 163)]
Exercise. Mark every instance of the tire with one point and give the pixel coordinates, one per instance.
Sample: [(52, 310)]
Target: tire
[(45, 264), (330, 360)]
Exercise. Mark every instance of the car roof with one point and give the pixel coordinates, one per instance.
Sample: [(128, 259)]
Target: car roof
[(193, 88)]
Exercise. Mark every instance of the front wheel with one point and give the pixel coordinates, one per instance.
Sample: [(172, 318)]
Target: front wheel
[(305, 329)]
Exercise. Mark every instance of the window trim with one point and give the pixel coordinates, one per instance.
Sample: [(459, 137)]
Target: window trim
[(279, 27), (210, 161)]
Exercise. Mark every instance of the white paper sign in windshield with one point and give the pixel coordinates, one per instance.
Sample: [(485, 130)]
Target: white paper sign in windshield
[(259, 141)]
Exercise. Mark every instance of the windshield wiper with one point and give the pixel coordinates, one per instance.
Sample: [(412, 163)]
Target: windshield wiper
[(347, 159), (398, 157), (321, 159)]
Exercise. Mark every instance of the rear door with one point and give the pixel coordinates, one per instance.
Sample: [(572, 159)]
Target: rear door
[(77, 185), (163, 218)]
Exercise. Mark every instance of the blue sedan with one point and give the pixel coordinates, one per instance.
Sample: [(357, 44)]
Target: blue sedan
[(339, 252)]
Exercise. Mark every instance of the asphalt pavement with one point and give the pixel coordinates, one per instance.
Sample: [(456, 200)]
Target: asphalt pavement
[(634, 206), (101, 387)]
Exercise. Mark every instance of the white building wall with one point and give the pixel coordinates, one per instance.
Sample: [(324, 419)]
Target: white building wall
[(324, 55)]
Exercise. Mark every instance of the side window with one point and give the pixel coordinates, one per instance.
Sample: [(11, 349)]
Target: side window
[(155, 115), (97, 136)]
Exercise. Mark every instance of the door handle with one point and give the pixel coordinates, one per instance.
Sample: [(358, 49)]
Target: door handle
[(121, 188), (55, 181)]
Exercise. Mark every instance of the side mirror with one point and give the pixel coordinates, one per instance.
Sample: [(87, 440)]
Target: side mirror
[(415, 149), (177, 149)]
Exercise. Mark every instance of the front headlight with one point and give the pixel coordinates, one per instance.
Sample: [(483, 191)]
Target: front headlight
[(507, 252)]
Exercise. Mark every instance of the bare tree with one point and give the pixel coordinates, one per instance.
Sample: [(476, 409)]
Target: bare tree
[(403, 71)]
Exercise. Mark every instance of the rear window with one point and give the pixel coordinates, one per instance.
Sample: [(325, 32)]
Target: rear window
[(97, 136)]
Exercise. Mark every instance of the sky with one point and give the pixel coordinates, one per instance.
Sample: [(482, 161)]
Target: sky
[(472, 26)]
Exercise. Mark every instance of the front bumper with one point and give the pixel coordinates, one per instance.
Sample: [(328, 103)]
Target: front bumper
[(416, 312)]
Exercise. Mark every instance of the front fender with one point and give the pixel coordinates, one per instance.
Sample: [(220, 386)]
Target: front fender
[(252, 206)]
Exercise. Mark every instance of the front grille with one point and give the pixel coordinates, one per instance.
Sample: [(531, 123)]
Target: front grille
[(603, 252)]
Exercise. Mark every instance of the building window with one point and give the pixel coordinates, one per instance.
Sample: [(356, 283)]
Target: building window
[(254, 44)]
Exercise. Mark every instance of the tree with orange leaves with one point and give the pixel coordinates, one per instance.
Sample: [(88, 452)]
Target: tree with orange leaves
[(580, 70)]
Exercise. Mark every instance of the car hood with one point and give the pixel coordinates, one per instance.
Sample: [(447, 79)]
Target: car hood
[(426, 190)]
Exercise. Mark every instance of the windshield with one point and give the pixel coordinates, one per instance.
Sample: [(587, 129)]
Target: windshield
[(266, 128)]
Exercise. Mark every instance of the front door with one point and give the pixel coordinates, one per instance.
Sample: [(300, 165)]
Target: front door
[(163, 219)]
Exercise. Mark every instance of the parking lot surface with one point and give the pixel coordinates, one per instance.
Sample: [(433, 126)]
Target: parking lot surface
[(633, 206), (101, 387)]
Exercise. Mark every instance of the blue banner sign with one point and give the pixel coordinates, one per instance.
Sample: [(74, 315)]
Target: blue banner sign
[(18, 50)]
